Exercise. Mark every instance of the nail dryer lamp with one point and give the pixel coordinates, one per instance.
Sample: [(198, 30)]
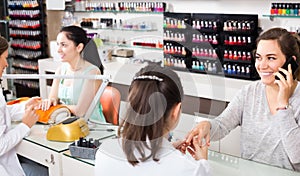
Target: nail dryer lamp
[(73, 128)]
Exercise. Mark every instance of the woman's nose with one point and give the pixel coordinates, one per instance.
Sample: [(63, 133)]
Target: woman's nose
[(263, 63)]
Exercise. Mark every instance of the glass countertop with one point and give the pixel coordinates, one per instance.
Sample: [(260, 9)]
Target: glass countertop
[(39, 131), (226, 165)]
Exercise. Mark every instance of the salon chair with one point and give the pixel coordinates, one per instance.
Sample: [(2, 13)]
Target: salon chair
[(110, 101)]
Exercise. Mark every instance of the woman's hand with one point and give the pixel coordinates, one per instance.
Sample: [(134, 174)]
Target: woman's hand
[(46, 103), (196, 150), (286, 86), (180, 145), (30, 117), (201, 131), (34, 101)]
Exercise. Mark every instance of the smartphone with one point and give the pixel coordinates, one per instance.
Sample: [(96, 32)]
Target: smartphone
[(294, 65)]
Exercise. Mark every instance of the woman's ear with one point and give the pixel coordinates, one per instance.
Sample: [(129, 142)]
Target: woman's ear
[(80, 47), (176, 111)]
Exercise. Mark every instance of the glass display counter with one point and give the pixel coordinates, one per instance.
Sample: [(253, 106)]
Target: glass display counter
[(221, 165), (49, 153)]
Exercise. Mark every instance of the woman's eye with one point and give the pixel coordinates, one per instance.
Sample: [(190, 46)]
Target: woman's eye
[(257, 58), (271, 58)]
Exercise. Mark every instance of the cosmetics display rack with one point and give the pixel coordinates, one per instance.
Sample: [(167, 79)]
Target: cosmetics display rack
[(217, 44), (124, 25), (27, 31), (125, 30)]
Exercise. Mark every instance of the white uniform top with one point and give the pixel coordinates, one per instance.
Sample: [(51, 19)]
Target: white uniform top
[(110, 160), (10, 137)]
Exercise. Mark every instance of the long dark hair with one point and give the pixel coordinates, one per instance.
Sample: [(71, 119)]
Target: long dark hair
[(289, 43), (79, 35), (3, 45), (153, 93)]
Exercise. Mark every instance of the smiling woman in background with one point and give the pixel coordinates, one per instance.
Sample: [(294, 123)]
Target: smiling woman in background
[(76, 94), (267, 110)]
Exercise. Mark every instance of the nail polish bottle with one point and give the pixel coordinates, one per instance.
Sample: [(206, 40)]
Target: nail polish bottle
[(194, 65), (242, 70), (289, 9), (275, 8), (230, 55), (225, 55), (214, 68), (233, 69), (249, 56), (183, 51), (197, 65), (272, 11), (229, 69), (244, 56), (194, 24), (225, 28), (193, 51), (283, 9), (247, 71), (238, 70), (183, 63), (279, 9), (201, 66), (225, 68)]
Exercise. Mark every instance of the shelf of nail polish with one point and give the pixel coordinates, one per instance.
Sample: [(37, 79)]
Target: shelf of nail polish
[(25, 34), (174, 36), (239, 26), (181, 21), (238, 40), (26, 83), (172, 23), (27, 54), (24, 14), (238, 70), (173, 49), (28, 4), (285, 9), (206, 38), (210, 40), (17, 63), (205, 53), (28, 36), (204, 24), (237, 55), (26, 44), (116, 7), (149, 46), (175, 63), (28, 24), (114, 24), (209, 67)]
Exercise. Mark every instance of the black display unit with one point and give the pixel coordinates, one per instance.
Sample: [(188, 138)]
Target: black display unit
[(217, 44), (27, 31)]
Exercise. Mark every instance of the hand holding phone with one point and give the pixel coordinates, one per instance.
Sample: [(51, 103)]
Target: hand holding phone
[(294, 65)]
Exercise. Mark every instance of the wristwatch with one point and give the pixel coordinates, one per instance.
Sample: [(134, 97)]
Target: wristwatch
[(284, 108)]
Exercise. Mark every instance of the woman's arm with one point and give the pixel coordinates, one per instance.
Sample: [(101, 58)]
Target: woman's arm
[(87, 94), (53, 95), (219, 127), (10, 137), (288, 125)]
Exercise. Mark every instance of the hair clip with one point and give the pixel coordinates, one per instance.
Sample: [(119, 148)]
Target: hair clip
[(149, 77)]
